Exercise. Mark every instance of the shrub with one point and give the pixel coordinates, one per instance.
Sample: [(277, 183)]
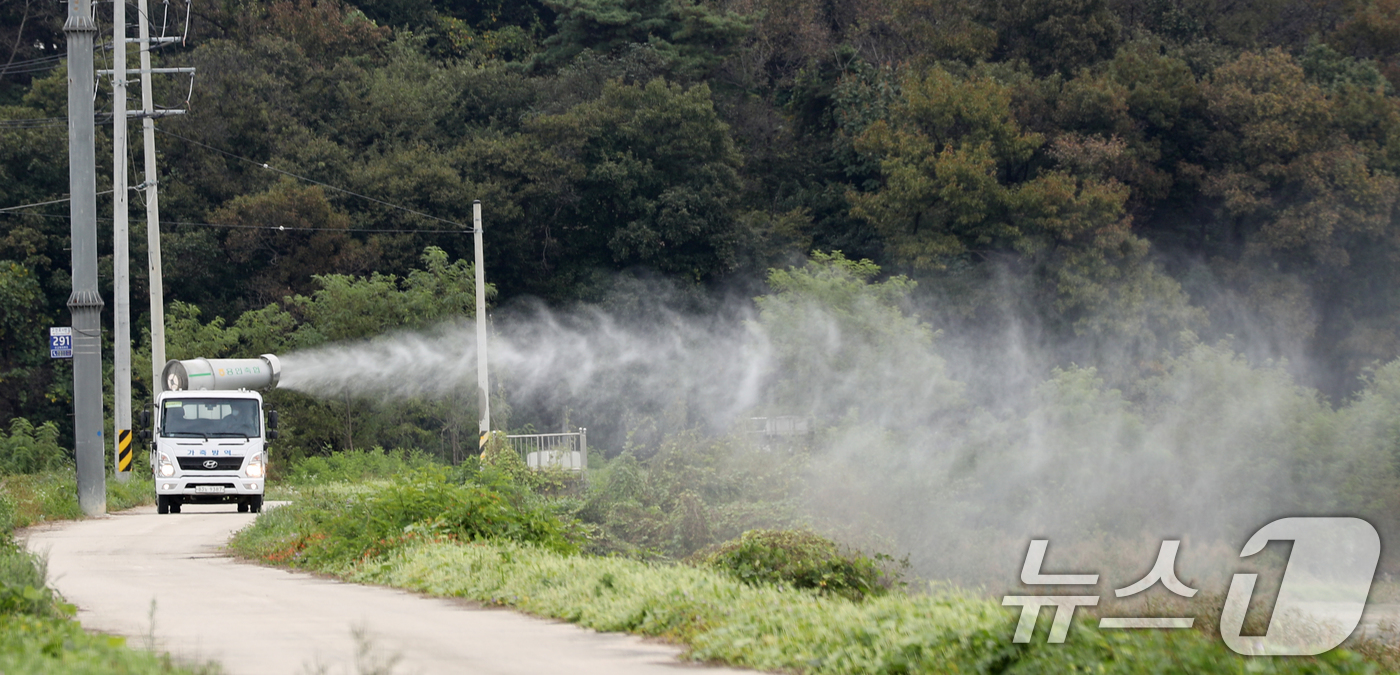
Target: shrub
[(30, 644), (764, 626), (355, 465), (779, 630), (137, 490), (801, 559), (23, 584), (340, 528), (501, 465), (8, 515), (693, 493), (31, 449), (40, 497)]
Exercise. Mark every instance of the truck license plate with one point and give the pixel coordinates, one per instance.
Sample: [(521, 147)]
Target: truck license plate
[(209, 489)]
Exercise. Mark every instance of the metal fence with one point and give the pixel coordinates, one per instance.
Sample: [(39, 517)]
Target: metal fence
[(785, 425), (568, 451), (785, 431)]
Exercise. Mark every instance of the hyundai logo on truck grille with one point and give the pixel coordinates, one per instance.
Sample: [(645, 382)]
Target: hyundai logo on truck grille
[(211, 464)]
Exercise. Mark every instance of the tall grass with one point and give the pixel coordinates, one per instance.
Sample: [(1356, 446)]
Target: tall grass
[(29, 499), (333, 525), (38, 634), (37, 631), (721, 618), (354, 466)]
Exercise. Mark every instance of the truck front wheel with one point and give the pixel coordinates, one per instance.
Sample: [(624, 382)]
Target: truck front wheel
[(162, 504), (255, 504)]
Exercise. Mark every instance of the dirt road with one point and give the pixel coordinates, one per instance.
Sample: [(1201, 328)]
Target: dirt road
[(259, 620)]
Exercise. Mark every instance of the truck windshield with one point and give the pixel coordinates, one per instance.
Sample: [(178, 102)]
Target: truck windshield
[(210, 417)]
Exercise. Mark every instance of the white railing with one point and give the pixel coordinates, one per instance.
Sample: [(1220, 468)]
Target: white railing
[(786, 425), (568, 451)]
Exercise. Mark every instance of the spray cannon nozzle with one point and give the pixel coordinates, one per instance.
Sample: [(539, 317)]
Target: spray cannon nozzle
[(222, 374)]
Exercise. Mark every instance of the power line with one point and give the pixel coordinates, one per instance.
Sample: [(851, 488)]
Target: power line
[(43, 63), (40, 215), (316, 182), (43, 60), (273, 228), (55, 201), (40, 122), (46, 63), (280, 228)]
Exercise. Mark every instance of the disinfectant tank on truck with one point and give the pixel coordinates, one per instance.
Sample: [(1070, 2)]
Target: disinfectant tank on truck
[(211, 432)]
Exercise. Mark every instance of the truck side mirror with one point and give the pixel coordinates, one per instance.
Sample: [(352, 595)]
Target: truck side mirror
[(144, 418), (272, 420), (271, 434), (144, 435)]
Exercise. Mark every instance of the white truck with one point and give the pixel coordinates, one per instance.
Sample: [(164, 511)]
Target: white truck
[(211, 432)]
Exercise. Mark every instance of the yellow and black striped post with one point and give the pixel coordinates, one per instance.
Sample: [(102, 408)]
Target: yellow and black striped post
[(481, 444), (124, 451)]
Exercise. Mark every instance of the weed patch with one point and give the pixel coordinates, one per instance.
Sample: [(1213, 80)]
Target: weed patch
[(37, 632), (349, 466), (332, 527), (137, 491), (38, 635), (719, 617), (41, 497), (29, 499), (801, 559)]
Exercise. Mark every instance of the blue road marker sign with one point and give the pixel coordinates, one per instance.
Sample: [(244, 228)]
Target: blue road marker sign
[(61, 342)]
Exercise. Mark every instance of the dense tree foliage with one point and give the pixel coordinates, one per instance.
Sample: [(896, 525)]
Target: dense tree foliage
[(1110, 172)]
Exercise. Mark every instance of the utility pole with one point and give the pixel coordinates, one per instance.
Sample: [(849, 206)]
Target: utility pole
[(148, 127), (85, 303), (148, 114), (483, 391), (121, 255)]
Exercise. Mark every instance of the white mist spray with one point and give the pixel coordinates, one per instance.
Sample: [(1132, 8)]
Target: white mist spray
[(1206, 447), (553, 358)]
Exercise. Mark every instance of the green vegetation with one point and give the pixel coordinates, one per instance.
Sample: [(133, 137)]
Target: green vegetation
[(1106, 173), (37, 482), (722, 618), (1102, 270), (38, 635), (693, 493), (353, 467), (37, 631), (30, 449), (787, 600), (30, 644), (329, 526), (800, 559)]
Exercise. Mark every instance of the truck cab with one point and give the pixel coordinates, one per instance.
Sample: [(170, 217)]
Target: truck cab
[(210, 447), (210, 434)]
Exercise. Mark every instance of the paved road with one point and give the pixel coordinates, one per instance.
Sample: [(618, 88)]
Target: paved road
[(257, 620)]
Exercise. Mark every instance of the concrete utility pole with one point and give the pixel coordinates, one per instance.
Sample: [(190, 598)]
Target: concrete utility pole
[(121, 256), (85, 303), (483, 391), (148, 127)]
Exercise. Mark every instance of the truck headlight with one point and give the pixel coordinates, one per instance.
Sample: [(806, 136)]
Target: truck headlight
[(167, 468), (255, 467)]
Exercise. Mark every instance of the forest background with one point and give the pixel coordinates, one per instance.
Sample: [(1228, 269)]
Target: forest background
[(1165, 207)]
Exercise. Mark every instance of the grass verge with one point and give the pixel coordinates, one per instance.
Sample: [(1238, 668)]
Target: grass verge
[(721, 619), (38, 634), (29, 499), (37, 631)]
